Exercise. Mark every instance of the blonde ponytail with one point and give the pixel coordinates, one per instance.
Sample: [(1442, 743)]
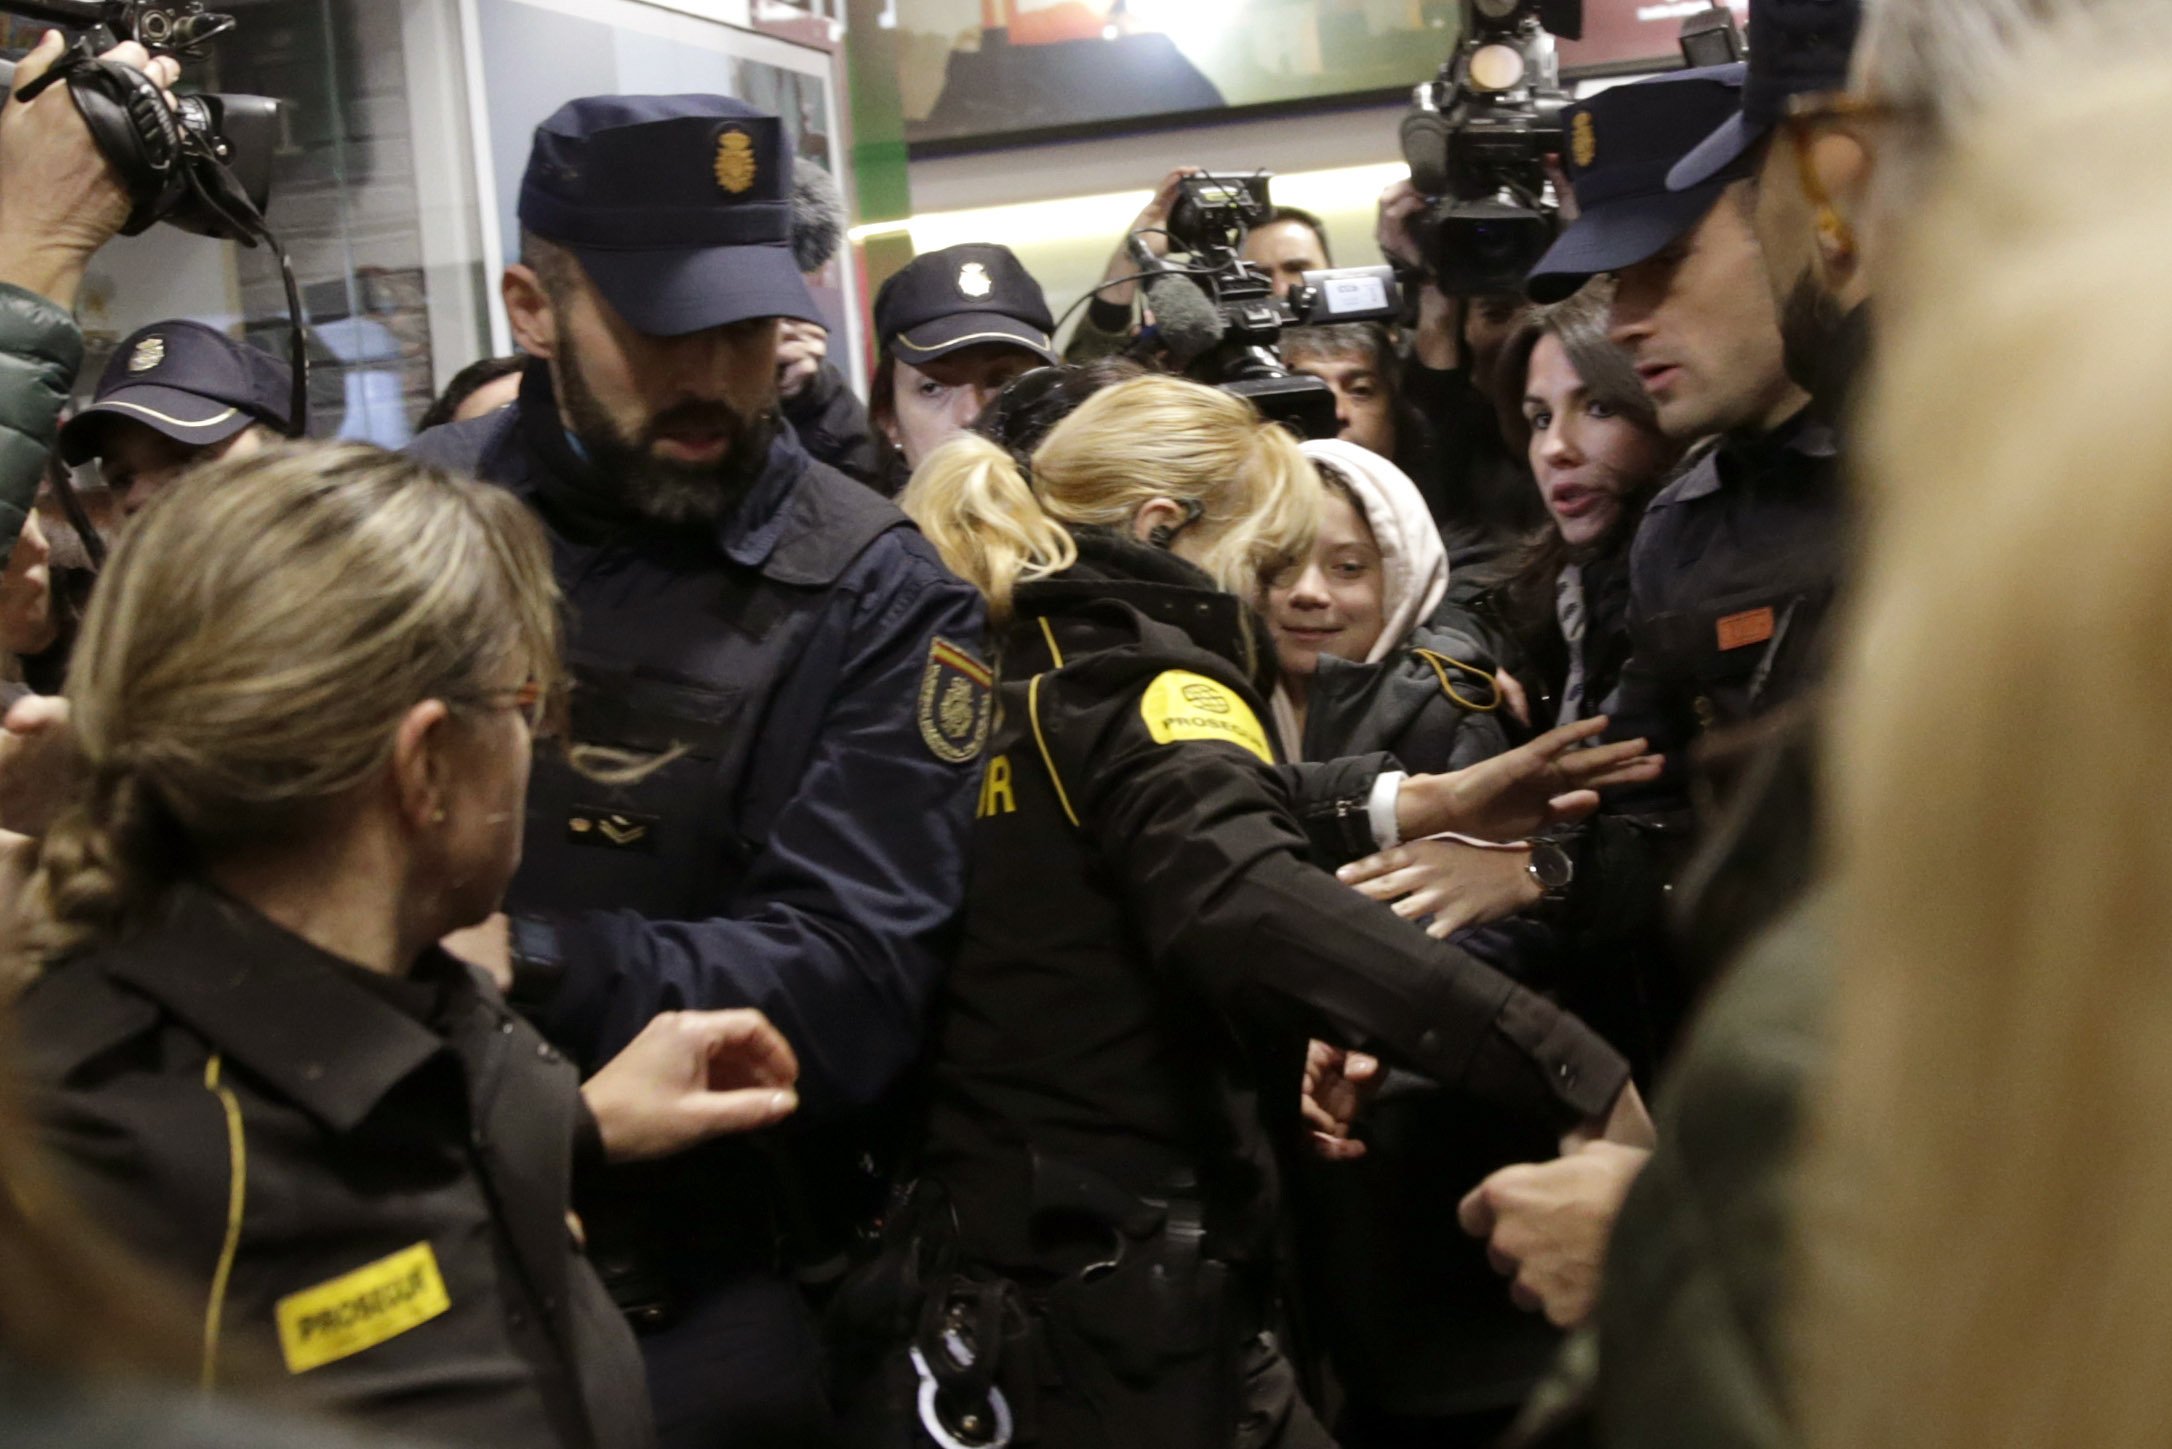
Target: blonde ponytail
[(976, 506), (1148, 438)]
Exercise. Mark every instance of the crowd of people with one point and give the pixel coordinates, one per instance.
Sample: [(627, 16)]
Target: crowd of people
[(1049, 909)]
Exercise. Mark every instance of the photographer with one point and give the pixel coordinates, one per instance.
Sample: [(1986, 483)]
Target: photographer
[(1287, 244), (1478, 489), (60, 201)]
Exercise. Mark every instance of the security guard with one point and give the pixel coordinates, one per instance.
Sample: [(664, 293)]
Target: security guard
[(1089, 1256), (176, 394), (790, 649)]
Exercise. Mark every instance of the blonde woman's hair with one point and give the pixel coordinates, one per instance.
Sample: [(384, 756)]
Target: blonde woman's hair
[(1984, 1257), (1152, 437), (251, 648)]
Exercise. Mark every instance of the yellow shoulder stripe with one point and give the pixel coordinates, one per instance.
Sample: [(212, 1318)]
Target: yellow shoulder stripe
[(1033, 710), (1180, 705), (237, 1195)]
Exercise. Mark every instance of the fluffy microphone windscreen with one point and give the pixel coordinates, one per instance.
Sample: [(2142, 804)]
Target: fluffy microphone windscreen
[(818, 215)]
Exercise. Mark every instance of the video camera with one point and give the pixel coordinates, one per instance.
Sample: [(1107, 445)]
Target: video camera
[(1477, 137), (202, 164), (1220, 319)]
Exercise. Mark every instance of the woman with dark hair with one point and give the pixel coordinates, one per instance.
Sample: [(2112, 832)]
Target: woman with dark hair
[(1598, 457)]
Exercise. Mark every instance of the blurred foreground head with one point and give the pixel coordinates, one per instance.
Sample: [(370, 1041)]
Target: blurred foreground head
[(1983, 1255)]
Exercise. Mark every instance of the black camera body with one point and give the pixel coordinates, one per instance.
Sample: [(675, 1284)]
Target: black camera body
[(1477, 138), (203, 164), (1208, 222)]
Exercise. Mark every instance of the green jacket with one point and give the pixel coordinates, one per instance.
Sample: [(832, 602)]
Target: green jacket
[(1687, 1350), (41, 350)]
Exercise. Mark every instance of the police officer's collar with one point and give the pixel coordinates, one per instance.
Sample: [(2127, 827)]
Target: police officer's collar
[(584, 505), (277, 1006)]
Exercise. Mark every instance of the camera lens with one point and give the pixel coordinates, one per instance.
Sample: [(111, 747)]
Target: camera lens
[(1496, 68)]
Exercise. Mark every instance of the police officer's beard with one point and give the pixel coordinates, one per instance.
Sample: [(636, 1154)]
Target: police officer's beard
[(657, 488), (1810, 327)]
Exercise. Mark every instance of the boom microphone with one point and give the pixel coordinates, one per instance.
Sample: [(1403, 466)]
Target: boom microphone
[(818, 216), (1185, 318)]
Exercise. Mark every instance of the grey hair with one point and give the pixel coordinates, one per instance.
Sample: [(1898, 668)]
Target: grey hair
[(1939, 62)]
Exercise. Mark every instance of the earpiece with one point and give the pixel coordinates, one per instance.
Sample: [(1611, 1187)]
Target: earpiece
[(1161, 535)]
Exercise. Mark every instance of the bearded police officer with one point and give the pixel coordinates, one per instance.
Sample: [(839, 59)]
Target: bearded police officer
[(795, 668)]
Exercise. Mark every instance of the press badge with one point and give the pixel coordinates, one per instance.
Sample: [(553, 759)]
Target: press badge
[(1180, 705), (360, 1310)]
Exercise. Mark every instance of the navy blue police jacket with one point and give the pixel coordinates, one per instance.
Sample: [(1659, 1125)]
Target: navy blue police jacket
[(810, 666)]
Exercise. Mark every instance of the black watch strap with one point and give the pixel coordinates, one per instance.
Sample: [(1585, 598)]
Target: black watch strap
[(538, 966)]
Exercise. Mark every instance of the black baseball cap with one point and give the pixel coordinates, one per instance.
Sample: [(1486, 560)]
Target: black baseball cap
[(1797, 47), (193, 383), (1621, 145), (679, 208), (963, 296)]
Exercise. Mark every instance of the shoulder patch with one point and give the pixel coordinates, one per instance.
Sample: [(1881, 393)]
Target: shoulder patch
[(955, 692), (361, 1309), (1181, 705)]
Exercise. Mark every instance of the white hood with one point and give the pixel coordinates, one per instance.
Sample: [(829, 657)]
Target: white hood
[(1413, 560)]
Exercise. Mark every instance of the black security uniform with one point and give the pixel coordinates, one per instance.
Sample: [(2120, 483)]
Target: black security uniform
[(362, 1177), (1148, 946)]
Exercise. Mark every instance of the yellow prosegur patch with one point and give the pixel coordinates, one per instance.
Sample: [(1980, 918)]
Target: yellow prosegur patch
[(361, 1309), (1180, 705)]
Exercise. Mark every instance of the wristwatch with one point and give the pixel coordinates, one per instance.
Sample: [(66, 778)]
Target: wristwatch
[(1551, 868), (537, 965)]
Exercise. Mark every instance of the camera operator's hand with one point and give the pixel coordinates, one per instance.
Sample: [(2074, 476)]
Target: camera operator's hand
[(1527, 791), (801, 347), (1152, 218), (59, 199), (1458, 885), (1437, 340), (1399, 204)]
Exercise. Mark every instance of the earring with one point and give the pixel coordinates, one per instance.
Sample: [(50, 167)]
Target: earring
[(437, 816)]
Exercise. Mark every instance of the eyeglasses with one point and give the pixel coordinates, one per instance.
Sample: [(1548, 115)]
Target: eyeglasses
[(530, 700), (1812, 109)]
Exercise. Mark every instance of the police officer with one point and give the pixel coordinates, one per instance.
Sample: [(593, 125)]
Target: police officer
[(785, 644), (173, 395), (954, 327), (251, 1059), (1733, 570), (1090, 1256)]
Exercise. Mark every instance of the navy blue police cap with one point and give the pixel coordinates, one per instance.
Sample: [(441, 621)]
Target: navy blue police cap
[(1797, 47), (963, 296), (192, 383), (1622, 143), (679, 208)]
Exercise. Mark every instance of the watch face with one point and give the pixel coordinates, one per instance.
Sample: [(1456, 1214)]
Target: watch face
[(1550, 866)]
